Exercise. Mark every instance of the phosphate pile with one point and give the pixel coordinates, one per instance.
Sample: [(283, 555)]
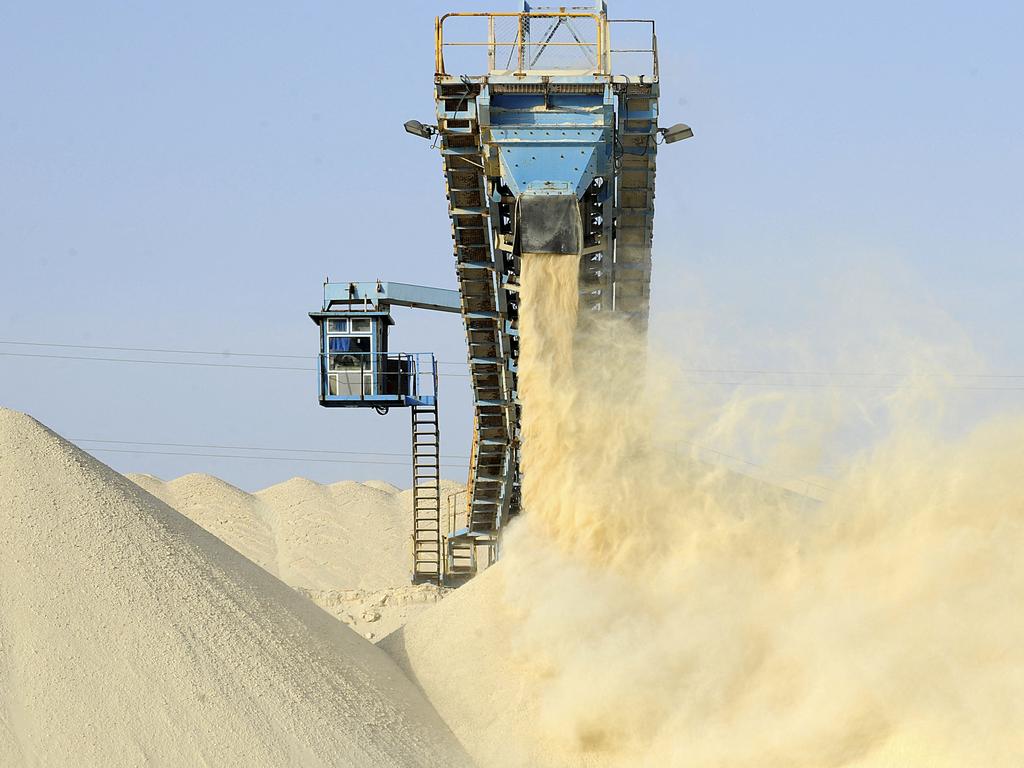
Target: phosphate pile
[(129, 635), (652, 611), (345, 545)]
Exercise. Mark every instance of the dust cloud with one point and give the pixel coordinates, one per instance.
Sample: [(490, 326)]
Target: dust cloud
[(675, 613)]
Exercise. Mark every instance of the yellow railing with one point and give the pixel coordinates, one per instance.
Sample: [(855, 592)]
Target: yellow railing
[(512, 34), (458, 511)]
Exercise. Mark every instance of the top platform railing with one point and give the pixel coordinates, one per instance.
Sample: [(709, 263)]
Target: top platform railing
[(559, 43)]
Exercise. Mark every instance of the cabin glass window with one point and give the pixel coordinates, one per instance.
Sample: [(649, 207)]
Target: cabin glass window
[(337, 325), (348, 353), (360, 325)]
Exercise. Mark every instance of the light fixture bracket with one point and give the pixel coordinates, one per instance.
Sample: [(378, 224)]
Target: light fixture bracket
[(675, 133), (416, 128)]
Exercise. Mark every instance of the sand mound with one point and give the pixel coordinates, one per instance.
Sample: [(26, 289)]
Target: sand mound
[(484, 696), (380, 485), (346, 546), (344, 536), (341, 536), (375, 613), (448, 488), (230, 514), (150, 484), (129, 635)]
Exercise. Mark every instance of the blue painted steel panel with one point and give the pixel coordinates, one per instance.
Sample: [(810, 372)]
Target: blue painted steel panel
[(392, 401), (547, 139), (401, 294)]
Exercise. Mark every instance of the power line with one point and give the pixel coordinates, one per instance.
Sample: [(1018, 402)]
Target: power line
[(302, 459), (465, 459), (165, 350), (231, 353), (721, 371), (735, 371), (299, 459), (218, 446), (252, 448), (192, 363), (805, 385), (157, 362), (224, 353), (774, 472)]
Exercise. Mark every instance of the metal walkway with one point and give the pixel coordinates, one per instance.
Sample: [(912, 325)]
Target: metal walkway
[(548, 152), (615, 268), (634, 199), (479, 268)]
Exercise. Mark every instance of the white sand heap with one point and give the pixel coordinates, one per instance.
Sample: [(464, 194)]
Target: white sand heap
[(344, 536), (461, 653), (229, 513), (130, 636), (346, 546)]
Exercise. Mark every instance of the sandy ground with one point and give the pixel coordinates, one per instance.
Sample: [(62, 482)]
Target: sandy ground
[(131, 636), (378, 612), (346, 546), (461, 654)]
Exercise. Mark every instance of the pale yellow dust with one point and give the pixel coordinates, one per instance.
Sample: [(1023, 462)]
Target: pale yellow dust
[(676, 614)]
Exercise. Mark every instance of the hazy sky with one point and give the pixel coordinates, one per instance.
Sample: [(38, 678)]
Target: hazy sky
[(183, 175)]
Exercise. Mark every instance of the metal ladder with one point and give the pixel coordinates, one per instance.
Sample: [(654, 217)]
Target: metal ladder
[(461, 565), (634, 220), (460, 552), (426, 494), (482, 310)]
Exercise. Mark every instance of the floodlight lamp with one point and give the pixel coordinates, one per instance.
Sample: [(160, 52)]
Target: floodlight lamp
[(417, 128), (677, 132)]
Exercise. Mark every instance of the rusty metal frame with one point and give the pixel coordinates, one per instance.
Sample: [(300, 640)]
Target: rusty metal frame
[(653, 50), (601, 45)]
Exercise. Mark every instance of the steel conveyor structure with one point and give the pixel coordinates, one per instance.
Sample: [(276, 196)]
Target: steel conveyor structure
[(546, 151)]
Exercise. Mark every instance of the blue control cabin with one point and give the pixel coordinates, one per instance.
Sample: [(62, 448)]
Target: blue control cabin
[(356, 368)]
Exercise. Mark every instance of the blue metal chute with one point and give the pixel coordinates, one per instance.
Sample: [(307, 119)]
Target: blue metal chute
[(568, 145)]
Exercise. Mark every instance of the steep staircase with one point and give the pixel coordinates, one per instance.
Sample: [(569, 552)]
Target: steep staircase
[(426, 494), (480, 286), (634, 221)]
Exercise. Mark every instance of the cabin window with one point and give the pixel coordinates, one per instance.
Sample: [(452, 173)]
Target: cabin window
[(337, 325), (348, 353), (360, 325)]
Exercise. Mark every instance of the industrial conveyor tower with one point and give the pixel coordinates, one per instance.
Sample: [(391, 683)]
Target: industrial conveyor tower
[(545, 149)]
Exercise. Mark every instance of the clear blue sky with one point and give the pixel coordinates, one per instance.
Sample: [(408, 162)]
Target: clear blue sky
[(183, 175)]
